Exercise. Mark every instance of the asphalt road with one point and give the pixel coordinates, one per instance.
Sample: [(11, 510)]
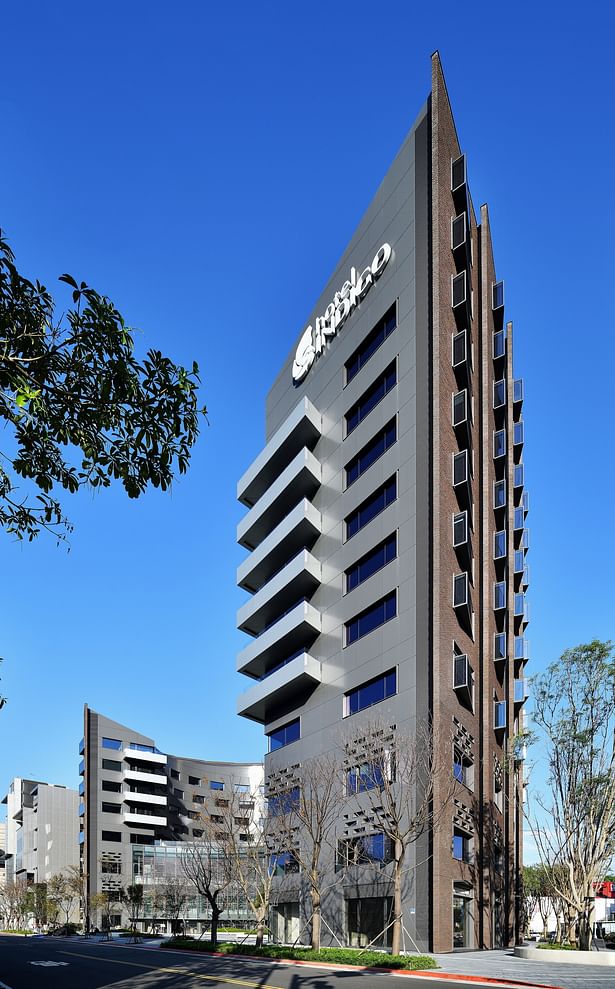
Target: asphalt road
[(54, 963)]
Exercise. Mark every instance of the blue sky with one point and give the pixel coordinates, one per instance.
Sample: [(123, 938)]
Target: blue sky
[(205, 166)]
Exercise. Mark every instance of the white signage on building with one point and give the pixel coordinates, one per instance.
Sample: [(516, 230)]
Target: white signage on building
[(312, 342)]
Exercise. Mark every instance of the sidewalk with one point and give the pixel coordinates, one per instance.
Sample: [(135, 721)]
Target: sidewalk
[(504, 965)]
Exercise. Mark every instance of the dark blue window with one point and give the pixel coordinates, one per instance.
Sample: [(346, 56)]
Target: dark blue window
[(498, 295), (460, 846), (285, 735), (369, 400), (371, 562), (368, 776), (374, 616), (372, 692), (215, 785), (371, 507), (111, 743), (370, 452), (284, 803), (373, 340)]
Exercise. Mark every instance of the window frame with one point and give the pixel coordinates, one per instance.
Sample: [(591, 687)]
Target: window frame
[(463, 241), (454, 338), (457, 516), (370, 554), (370, 452), (388, 679), (371, 609)]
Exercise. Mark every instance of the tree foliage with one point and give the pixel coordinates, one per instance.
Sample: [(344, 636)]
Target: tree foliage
[(574, 825), (81, 410)]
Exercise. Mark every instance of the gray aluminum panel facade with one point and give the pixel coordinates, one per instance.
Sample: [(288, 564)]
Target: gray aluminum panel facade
[(412, 211)]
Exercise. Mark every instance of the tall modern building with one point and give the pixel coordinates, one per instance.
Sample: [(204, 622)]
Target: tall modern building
[(42, 830), (139, 805), (386, 534)]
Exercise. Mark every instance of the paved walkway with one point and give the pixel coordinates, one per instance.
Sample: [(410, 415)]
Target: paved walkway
[(504, 965)]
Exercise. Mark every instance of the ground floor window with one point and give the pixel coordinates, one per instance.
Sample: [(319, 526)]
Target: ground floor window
[(462, 916), (367, 919)]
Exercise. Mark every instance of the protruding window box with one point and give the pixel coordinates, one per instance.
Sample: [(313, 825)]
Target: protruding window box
[(299, 529), (296, 630), (82, 768), (521, 691), (458, 175), (518, 433), (148, 820), (521, 648), (517, 390), (299, 578), (499, 715), (136, 776), (302, 428), (159, 800), (140, 755), (499, 647), (287, 687), (462, 672), (301, 479), (497, 295)]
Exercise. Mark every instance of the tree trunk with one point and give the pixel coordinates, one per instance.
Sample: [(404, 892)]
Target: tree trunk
[(215, 916), (260, 930), (396, 945), (315, 919)]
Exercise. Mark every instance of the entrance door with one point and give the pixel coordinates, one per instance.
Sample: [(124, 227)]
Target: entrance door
[(461, 921), (286, 924)]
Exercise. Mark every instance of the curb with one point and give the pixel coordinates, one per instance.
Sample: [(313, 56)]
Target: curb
[(412, 973)]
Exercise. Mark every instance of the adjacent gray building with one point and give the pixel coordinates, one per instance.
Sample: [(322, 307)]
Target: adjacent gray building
[(42, 830), (140, 805), (386, 533)]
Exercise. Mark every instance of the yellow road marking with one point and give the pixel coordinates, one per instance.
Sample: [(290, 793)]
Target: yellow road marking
[(172, 971)]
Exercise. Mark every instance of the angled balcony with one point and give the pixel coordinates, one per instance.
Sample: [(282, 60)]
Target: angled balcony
[(301, 429), (145, 776), (149, 820), (137, 755), (300, 528), (301, 479), (145, 798), (294, 631), (286, 687), (299, 578)]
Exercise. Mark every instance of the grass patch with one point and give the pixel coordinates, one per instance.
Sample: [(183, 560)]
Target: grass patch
[(338, 956), (557, 947), (15, 930)]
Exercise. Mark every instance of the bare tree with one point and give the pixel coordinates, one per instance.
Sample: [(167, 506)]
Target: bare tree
[(173, 892), (62, 892), (205, 866), (301, 827), (248, 845), (15, 901), (406, 781), (573, 824), (77, 882), (106, 901), (132, 897)]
